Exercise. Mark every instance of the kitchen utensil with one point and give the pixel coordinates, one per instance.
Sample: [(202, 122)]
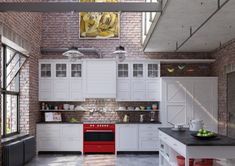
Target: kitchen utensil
[(195, 125), (152, 116), (137, 108), (130, 108), (141, 118), (71, 107), (122, 108), (126, 118), (66, 106), (154, 106), (142, 108)]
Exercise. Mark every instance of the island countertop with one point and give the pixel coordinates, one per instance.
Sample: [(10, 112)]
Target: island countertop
[(187, 139)]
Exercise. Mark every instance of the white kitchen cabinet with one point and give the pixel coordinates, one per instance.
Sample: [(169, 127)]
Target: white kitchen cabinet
[(100, 79), (60, 80), (186, 98), (148, 137), (71, 137), (138, 81), (127, 137), (153, 90), (59, 137), (137, 137), (45, 81), (76, 81), (123, 82)]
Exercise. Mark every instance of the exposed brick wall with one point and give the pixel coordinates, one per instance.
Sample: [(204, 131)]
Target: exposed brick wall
[(62, 30), (224, 57), (28, 27), (186, 70), (109, 107)]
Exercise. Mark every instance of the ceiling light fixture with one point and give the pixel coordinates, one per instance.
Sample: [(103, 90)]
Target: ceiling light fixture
[(120, 53), (73, 54)]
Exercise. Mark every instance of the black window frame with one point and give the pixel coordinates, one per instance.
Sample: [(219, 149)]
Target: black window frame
[(5, 92)]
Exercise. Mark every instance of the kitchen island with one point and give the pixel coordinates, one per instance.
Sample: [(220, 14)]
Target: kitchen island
[(174, 143)]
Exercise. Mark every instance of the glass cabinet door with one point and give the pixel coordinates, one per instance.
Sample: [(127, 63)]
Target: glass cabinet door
[(152, 70), (123, 70), (61, 70), (138, 70), (45, 70), (76, 70)]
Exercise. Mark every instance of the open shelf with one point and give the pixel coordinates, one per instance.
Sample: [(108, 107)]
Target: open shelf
[(137, 110), (63, 110)]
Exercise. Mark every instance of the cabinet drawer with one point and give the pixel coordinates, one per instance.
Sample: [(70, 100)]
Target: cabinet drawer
[(71, 131), (150, 144), (48, 131), (148, 128), (148, 134)]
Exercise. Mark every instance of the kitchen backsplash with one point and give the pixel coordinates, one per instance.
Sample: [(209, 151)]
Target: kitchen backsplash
[(105, 110)]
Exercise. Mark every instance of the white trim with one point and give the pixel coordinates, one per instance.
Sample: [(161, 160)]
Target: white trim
[(15, 46)]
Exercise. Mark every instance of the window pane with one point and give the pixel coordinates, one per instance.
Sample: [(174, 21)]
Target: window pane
[(1, 114), (14, 85), (11, 114), (13, 62)]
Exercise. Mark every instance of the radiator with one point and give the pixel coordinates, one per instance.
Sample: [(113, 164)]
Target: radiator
[(29, 148), (13, 154)]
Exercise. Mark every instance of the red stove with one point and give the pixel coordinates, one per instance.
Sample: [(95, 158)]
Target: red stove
[(99, 138)]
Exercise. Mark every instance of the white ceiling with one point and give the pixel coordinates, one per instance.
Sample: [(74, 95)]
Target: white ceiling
[(179, 15)]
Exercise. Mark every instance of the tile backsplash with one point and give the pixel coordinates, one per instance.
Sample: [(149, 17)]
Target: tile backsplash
[(105, 110)]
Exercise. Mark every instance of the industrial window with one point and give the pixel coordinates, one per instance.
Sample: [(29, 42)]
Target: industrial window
[(11, 62)]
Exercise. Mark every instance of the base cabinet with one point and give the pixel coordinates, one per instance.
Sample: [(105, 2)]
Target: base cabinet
[(127, 137), (137, 137), (59, 137)]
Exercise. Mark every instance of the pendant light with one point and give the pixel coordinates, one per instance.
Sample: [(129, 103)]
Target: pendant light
[(120, 52), (73, 53)]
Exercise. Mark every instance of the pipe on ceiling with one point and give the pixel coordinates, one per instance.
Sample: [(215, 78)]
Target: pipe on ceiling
[(80, 7), (61, 50)]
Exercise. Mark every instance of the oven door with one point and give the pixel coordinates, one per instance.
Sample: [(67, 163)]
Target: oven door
[(99, 136)]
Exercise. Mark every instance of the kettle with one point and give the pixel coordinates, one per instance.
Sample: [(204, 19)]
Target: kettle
[(126, 118), (195, 125)]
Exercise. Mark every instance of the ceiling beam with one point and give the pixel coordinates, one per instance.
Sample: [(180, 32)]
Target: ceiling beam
[(79, 7)]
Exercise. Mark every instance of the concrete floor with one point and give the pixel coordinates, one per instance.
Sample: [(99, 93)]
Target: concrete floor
[(95, 160)]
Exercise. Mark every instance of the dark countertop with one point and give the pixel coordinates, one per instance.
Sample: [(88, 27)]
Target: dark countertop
[(60, 123), (138, 123), (99, 122), (186, 138)]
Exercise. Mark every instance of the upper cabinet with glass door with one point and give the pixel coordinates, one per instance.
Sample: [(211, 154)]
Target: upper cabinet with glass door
[(123, 70), (61, 70), (76, 70), (46, 70), (153, 70), (138, 70)]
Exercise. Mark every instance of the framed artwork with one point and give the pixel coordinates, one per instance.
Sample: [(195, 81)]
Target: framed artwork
[(99, 25)]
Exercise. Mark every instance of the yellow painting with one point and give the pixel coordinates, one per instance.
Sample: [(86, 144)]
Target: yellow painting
[(100, 25)]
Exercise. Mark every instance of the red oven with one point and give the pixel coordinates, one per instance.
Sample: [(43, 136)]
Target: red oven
[(99, 138)]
